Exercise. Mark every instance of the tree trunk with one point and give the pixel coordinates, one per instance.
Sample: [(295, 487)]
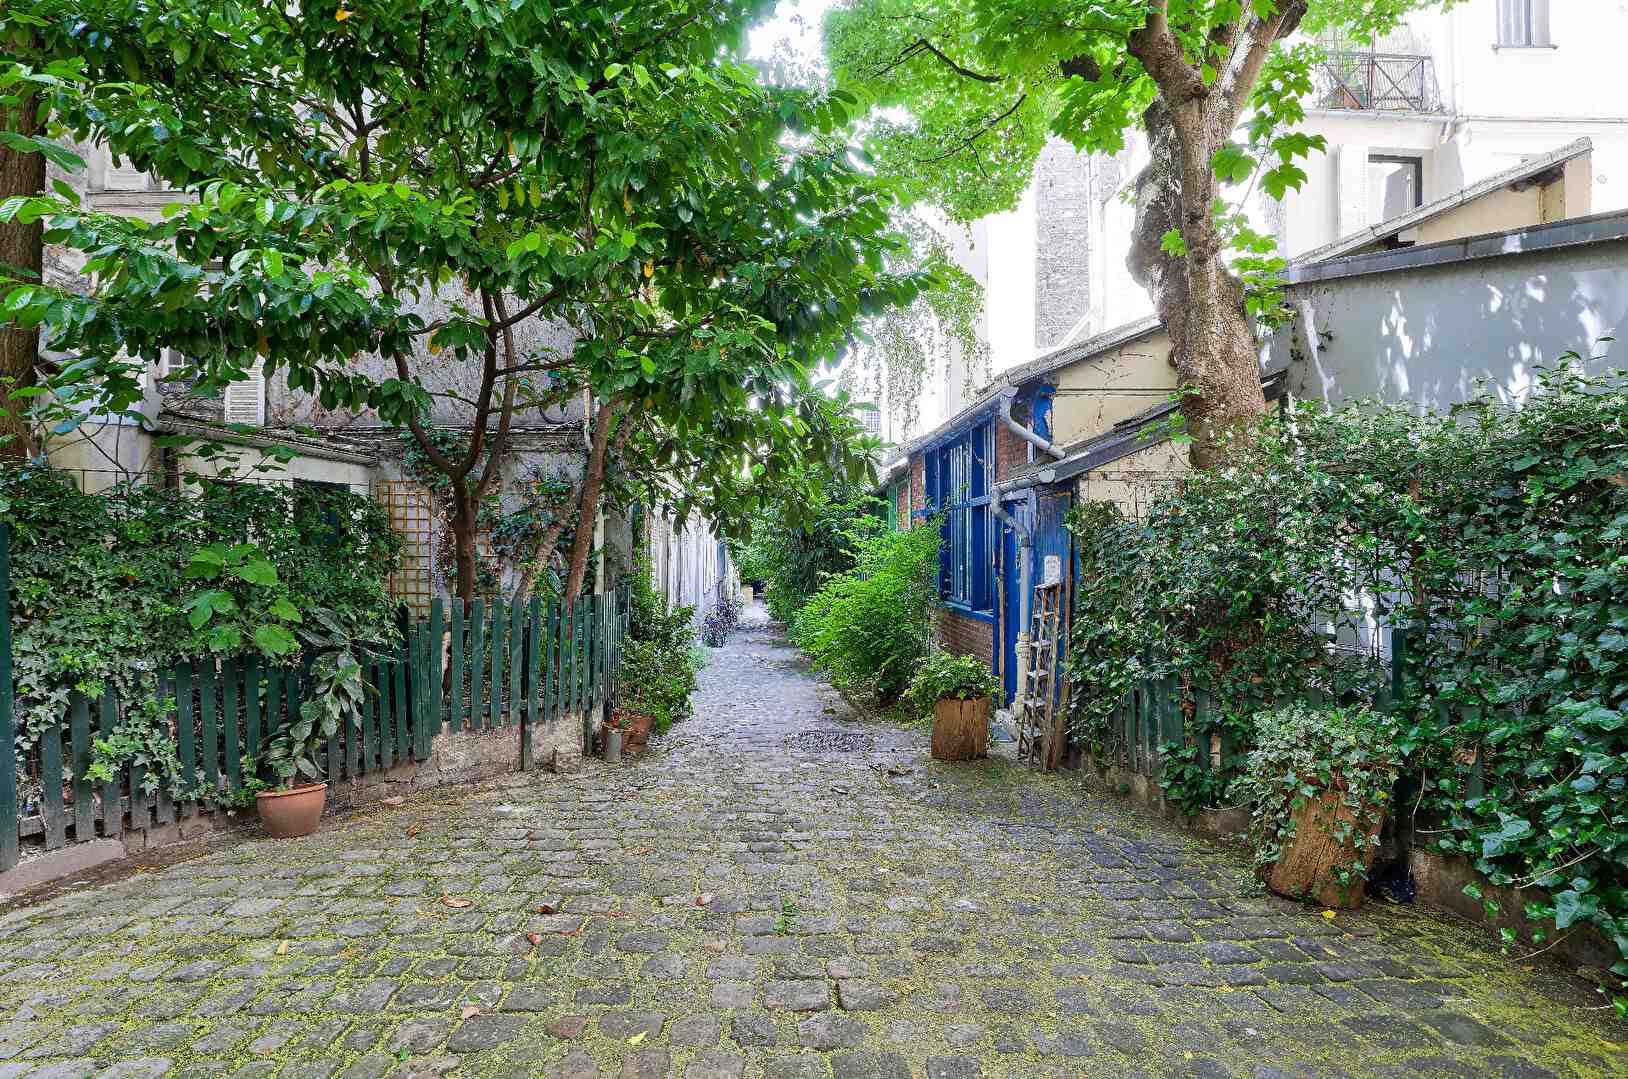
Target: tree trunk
[(21, 249), (463, 539), (1200, 302), (593, 482)]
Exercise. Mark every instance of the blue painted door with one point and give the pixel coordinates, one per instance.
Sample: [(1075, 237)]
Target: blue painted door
[(1011, 602), (1052, 540)]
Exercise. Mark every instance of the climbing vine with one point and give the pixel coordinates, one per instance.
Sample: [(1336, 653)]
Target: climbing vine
[(1492, 539), (114, 587)]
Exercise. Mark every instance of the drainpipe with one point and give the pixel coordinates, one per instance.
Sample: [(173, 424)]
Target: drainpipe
[(1025, 592), (1026, 434)]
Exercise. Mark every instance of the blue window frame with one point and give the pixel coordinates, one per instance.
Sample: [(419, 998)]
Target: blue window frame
[(959, 477)]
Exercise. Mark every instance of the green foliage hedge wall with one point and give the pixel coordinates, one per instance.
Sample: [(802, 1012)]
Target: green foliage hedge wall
[(1496, 536), (102, 584)]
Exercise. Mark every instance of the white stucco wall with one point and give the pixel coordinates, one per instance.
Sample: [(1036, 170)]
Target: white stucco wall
[(688, 565), (1427, 335)]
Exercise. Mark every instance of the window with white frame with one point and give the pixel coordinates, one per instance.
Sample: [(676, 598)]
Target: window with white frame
[(1523, 24)]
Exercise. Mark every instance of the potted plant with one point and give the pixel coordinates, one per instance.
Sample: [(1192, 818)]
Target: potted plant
[(293, 805), (958, 690), (640, 678), (1319, 781)]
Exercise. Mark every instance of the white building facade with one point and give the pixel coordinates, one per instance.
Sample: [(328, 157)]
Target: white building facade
[(1449, 100)]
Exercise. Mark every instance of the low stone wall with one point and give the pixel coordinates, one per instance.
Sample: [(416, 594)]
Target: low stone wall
[(1440, 878), (465, 757)]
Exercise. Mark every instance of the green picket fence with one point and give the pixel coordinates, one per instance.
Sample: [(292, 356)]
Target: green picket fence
[(1149, 717), (491, 665)]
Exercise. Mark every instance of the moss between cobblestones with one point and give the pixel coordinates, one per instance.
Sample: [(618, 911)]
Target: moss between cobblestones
[(1064, 884)]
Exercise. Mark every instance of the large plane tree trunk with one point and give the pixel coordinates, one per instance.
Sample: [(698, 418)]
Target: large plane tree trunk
[(20, 250), (1199, 300)]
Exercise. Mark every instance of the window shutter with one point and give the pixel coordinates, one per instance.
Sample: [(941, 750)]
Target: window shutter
[(246, 399)]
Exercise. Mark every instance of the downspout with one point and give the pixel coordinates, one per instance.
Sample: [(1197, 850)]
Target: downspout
[(1026, 434), (1025, 564)]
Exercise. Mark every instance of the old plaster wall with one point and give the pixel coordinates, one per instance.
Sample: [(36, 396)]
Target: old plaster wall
[(1431, 336)]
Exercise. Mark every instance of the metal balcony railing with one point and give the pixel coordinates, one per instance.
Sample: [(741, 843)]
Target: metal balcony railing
[(1395, 82)]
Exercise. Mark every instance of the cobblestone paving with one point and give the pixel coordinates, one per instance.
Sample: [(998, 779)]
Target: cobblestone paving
[(741, 902)]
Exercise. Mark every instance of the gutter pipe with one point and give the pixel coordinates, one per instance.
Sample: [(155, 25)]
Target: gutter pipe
[(1026, 434)]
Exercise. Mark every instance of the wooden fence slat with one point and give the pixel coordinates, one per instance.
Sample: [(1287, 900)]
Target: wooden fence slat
[(534, 671), (370, 722), (209, 741), (84, 802), (517, 679), (477, 672), (231, 672), (426, 706), (436, 653), (401, 748), (494, 662), (456, 645), (556, 660), (163, 803), (107, 719), (251, 707), (10, 810), (292, 686), (186, 744), (387, 714), (54, 816)]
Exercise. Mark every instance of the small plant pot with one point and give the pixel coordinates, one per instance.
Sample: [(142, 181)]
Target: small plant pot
[(613, 746), (289, 814), (1326, 861), (960, 729), (635, 730)]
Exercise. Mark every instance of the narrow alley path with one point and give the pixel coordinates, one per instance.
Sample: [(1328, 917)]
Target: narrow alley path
[(777, 889)]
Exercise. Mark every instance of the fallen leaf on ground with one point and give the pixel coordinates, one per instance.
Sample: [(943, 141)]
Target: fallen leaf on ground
[(282, 947), (412, 830), (545, 908), (703, 899), (535, 938), (457, 902), (569, 932), (641, 850), (469, 1010), (394, 800), (616, 914), (1329, 915), (637, 1038)]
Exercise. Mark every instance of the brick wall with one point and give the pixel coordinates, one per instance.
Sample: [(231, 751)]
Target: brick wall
[(918, 485), (965, 636), (1011, 452)]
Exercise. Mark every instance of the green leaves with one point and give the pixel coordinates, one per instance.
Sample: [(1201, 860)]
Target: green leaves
[(1232, 164)]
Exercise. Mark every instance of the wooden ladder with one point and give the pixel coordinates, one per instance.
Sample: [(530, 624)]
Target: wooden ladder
[(1036, 697)]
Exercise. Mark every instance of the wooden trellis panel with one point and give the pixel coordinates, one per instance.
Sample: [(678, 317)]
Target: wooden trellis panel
[(411, 510)]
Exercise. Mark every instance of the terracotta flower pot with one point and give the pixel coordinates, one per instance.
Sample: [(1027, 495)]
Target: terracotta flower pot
[(289, 814), (635, 730)]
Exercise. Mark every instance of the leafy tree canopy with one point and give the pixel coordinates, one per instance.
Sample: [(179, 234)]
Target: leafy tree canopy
[(612, 167)]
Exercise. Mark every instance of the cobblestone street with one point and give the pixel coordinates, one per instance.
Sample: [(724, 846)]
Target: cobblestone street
[(776, 889)]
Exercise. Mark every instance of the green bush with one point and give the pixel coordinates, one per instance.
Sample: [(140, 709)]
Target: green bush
[(868, 627), (1493, 538), (793, 553), (945, 675), (658, 667)]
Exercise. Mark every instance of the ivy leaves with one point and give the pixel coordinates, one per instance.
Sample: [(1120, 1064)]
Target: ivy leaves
[(1491, 541), (247, 599)]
